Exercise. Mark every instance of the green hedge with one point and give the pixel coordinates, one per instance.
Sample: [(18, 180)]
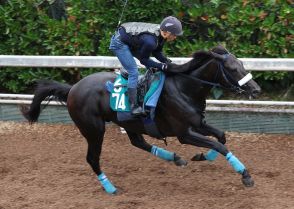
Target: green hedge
[(247, 28)]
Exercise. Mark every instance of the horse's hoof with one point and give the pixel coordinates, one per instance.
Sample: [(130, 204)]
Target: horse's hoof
[(198, 157), (116, 192), (248, 182), (181, 162), (246, 179)]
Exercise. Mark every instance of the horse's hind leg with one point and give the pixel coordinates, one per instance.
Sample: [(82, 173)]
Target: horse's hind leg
[(208, 130), (137, 140), (93, 130), (196, 139)]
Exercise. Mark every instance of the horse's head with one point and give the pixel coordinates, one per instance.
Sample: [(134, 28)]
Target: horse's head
[(233, 73)]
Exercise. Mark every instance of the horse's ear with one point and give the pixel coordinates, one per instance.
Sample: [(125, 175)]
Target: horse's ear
[(201, 54), (220, 57)]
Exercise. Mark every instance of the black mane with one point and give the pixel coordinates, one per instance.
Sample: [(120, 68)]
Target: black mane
[(200, 58), (201, 54), (220, 50)]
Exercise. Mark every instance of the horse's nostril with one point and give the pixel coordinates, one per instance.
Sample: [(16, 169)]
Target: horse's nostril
[(255, 92)]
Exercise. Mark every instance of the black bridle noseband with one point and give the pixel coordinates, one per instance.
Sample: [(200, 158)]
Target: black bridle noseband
[(233, 85)]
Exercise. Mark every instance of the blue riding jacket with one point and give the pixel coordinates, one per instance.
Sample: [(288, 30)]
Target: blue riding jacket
[(143, 46)]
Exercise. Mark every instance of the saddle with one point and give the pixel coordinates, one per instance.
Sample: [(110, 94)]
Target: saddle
[(144, 83), (149, 89)]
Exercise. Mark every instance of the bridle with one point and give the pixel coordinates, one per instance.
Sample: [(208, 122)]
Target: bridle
[(233, 85)]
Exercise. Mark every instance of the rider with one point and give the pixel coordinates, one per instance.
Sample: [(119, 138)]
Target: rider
[(140, 40)]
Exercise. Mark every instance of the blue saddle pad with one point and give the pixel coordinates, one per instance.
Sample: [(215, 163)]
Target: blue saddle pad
[(119, 100)]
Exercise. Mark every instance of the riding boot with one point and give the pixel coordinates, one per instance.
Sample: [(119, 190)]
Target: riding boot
[(135, 108)]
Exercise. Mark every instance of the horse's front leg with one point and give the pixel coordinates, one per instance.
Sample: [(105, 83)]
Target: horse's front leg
[(138, 140), (208, 130), (196, 139)]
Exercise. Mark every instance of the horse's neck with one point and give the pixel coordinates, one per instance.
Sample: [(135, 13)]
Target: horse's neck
[(192, 85), (207, 71), (187, 84), (184, 87)]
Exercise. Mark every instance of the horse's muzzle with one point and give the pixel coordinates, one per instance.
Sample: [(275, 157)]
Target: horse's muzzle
[(255, 92), (252, 89)]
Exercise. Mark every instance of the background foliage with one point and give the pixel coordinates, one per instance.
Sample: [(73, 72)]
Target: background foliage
[(247, 28)]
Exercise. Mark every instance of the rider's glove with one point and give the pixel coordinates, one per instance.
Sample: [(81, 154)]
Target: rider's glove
[(164, 67), (168, 61)]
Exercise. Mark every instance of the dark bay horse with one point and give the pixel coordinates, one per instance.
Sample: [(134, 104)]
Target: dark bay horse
[(179, 110)]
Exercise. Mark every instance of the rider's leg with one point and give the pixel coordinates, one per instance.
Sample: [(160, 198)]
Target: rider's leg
[(135, 108), (127, 60)]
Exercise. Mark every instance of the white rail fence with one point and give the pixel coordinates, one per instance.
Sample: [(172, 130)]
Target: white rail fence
[(254, 64), (250, 64)]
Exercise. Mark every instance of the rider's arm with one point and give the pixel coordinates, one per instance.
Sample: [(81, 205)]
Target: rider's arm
[(158, 53), (160, 56), (148, 46)]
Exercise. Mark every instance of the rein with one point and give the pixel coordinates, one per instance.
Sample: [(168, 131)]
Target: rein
[(233, 86)]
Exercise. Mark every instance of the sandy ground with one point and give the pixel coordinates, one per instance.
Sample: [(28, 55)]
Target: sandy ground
[(44, 166)]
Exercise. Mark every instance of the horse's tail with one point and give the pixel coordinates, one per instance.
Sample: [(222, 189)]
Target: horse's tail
[(44, 89)]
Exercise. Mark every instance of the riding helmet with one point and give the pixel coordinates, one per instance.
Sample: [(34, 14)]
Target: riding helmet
[(173, 25)]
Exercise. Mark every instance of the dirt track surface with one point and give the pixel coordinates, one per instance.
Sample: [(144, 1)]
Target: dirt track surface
[(44, 166)]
